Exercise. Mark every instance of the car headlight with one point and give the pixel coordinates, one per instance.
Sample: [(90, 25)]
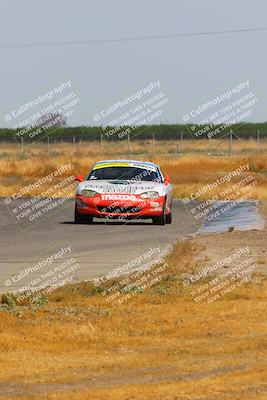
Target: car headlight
[(88, 193), (150, 195)]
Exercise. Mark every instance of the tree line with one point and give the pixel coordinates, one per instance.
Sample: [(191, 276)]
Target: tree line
[(156, 132)]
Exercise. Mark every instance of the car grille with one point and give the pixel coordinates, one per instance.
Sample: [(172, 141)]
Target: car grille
[(119, 209)]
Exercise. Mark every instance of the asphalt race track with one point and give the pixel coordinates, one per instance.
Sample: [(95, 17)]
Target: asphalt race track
[(98, 248)]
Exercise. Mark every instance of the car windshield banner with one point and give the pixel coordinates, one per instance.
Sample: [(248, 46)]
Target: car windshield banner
[(110, 164)]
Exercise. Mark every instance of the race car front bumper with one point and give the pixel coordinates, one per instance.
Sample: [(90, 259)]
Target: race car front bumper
[(119, 206)]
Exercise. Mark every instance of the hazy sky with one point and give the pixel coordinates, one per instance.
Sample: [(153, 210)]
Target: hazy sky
[(190, 69)]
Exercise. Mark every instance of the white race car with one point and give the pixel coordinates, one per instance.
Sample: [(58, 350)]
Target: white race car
[(124, 189)]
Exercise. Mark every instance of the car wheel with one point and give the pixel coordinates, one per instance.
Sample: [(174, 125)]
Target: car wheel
[(161, 220), (82, 219), (169, 218)]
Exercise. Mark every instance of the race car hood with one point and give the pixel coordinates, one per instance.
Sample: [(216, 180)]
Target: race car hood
[(113, 186)]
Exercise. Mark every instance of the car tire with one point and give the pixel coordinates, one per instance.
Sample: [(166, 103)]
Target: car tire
[(161, 219), (169, 218), (82, 219)]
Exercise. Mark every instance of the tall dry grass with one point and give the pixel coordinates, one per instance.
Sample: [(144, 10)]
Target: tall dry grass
[(190, 167), (157, 345)]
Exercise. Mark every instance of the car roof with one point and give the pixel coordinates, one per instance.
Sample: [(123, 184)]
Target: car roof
[(133, 161)]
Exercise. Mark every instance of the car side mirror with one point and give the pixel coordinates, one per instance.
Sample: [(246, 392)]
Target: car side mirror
[(167, 180), (79, 178)]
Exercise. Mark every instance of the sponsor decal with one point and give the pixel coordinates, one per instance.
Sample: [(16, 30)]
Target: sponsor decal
[(118, 197), (111, 164), (109, 188), (124, 164), (144, 166)]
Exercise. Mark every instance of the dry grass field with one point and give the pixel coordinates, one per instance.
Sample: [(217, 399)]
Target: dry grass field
[(192, 166), (159, 345)]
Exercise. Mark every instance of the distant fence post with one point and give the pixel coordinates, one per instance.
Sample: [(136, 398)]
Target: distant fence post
[(177, 149), (22, 146), (101, 144), (128, 143), (258, 140), (78, 146), (230, 142)]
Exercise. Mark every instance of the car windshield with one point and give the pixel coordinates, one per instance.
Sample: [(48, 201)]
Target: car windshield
[(124, 173)]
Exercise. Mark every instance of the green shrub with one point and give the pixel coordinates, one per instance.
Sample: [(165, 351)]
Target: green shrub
[(9, 300)]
